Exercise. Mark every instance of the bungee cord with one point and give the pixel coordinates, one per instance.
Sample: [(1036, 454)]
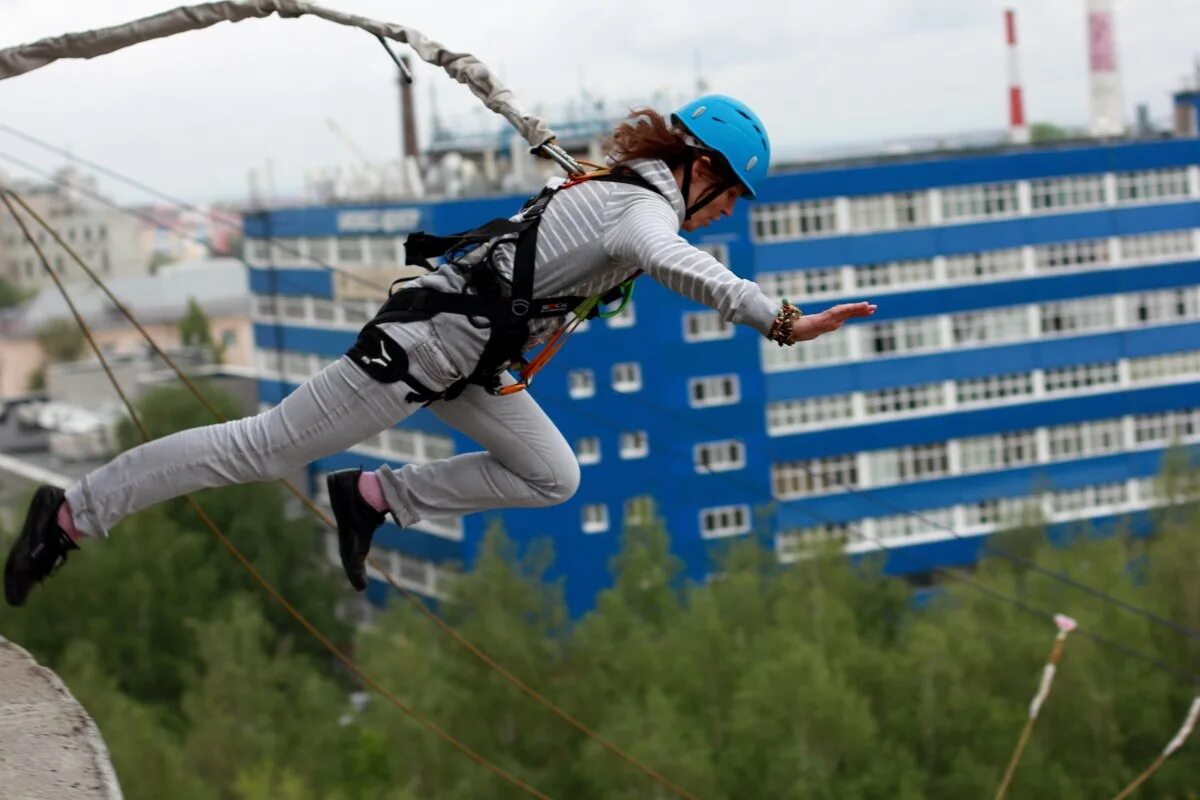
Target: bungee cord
[(1185, 730), (1065, 625)]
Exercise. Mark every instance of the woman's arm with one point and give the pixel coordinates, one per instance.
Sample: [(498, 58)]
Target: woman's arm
[(645, 232)]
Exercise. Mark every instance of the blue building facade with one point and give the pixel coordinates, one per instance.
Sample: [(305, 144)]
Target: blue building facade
[(1036, 349)]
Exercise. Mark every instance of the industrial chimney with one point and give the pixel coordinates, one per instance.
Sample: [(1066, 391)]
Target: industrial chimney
[(1108, 115), (1018, 131)]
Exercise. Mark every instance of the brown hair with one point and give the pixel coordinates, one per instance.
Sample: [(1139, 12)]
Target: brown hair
[(647, 134)]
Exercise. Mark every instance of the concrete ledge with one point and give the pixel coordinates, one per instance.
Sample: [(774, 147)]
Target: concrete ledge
[(50, 749)]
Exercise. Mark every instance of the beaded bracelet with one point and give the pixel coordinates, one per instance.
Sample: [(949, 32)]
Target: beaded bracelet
[(781, 329)]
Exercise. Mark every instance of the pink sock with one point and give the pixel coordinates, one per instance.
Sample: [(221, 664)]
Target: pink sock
[(66, 522), (371, 491)]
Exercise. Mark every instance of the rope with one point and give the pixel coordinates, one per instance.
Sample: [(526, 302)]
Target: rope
[(1177, 742), (1065, 626), (412, 597), (233, 551)]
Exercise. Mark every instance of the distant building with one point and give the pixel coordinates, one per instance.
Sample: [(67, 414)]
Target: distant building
[(159, 301), (106, 239)]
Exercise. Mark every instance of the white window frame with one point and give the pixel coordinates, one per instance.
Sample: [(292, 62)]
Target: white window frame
[(627, 377), (719, 522), (587, 450), (713, 389), (581, 383), (634, 444), (594, 517), (717, 455)]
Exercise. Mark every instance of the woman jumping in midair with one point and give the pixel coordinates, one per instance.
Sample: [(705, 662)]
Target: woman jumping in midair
[(446, 340)]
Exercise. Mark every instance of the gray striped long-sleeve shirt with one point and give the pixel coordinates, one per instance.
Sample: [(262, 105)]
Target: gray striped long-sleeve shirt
[(591, 238)]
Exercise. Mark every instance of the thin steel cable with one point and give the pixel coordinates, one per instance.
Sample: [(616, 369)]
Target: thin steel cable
[(233, 551), (320, 513)]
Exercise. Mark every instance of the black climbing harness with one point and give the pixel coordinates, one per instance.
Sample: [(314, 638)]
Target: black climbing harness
[(484, 297)]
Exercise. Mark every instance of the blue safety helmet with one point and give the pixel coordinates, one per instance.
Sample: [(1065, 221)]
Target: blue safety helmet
[(729, 127)]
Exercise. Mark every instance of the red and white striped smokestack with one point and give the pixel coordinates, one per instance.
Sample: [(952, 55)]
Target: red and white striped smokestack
[(1108, 111), (1018, 131)]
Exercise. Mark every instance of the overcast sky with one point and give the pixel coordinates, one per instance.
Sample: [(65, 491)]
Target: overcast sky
[(192, 114)]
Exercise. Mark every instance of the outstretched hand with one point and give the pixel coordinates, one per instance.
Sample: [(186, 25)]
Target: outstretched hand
[(810, 326)]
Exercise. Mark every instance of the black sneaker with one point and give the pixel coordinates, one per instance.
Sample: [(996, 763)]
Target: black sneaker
[(41, 547), (356, 523)]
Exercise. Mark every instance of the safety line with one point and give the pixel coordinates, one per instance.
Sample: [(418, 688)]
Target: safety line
[(1065, 626), (1181, 736), (411, 596), (233, 551), (985, 545)]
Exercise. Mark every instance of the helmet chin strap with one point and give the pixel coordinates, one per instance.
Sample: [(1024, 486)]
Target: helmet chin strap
[(712, 194)]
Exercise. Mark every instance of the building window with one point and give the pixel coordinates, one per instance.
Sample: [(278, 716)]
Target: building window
[(987, 264), (782, 221), (320, 250), (903, 336), (258, 251), (634, 444), (581, 383), (1169, 305), (703, 326), (1078, 191), (1085, 439), (930, 522), (350, 250), (790, 544), (1071, 255), (801, 283), (723, 456), (1157, 246), (994, 388), (718, 250), (1164, 428), (903, 399), (816, 476), (715, 390), (822, 350), (595, 518), (984, 200), (627, 376), (1086, 499), (991, 326), (883, 212), (1081, 376), (587, 450), (382, 252), (627, 318), (998, 512), (894, 274), (998, 451), (1153, 184), (1078, 316), (789, 416), (903, 464), (1170, 366), (724, 521)]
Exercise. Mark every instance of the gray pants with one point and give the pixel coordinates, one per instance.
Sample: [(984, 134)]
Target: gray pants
[(527, 462)]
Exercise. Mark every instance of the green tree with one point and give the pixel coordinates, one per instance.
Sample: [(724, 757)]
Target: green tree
[(1042, 132), (11, 295), (194, 331), (60, 340)]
